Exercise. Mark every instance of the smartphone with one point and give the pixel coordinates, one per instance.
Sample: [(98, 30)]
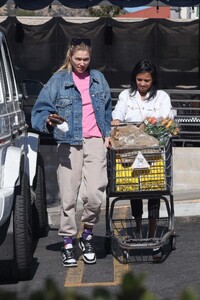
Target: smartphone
[(56, 120)]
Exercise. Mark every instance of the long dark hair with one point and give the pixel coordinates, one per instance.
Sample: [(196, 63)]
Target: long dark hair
[(144, 66)]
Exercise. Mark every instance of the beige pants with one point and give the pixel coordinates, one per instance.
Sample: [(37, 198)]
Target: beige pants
[(86, 166)]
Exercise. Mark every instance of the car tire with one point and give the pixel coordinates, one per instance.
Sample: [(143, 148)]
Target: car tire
[(23, 237), (39, 207)]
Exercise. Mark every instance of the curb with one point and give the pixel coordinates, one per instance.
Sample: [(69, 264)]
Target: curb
[(182, 208)]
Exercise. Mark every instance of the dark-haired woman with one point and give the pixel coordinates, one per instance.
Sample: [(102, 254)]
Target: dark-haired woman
[(143, 99), (81, 96)]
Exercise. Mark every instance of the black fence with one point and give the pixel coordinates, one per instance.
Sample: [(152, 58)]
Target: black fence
[(38, 50)]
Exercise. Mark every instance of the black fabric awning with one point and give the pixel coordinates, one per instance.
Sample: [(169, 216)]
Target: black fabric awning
[(39, 50), (40, 4)]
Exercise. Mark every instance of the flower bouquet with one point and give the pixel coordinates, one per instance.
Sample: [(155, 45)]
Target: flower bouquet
[(161, 128)]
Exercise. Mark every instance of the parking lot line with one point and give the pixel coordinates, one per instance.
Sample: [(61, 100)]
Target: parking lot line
[(74, 276)]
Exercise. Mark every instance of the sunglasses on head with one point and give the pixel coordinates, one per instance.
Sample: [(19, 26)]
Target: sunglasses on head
[(78, 41)]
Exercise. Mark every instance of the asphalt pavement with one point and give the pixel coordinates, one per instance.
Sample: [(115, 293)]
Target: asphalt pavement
[(178, 270), (166, 280)]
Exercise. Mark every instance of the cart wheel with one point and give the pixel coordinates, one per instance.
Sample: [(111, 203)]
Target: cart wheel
[(173, 242), (107, 244), (157, 255), (125, 257)]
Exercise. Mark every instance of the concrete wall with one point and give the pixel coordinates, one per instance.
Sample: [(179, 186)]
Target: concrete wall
[(186, 173)]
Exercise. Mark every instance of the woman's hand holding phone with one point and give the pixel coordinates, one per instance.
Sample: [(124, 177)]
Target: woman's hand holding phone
[(55, 120)]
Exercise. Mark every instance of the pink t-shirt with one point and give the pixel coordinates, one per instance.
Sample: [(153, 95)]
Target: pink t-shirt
[(89, 124)]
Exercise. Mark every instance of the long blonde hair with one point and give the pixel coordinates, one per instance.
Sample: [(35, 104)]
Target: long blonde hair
[(70, 52)]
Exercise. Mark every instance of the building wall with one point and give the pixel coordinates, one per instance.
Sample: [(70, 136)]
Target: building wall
[(185, 176), (186, 13)]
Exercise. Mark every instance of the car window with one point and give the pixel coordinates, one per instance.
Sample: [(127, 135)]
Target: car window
[(4, 83), (10, 85)]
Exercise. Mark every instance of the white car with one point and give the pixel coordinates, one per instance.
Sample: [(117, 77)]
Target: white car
[(23, 213)]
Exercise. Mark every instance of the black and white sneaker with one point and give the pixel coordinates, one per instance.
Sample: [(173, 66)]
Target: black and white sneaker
[(87, 248), (68, 257)]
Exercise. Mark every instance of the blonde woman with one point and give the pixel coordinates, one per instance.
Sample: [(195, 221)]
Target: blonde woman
[(75, 105)]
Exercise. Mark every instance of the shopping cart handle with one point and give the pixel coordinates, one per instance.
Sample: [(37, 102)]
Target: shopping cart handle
[(127, 123)]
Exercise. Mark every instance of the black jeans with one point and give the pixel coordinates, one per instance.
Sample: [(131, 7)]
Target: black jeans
[(153, 208)]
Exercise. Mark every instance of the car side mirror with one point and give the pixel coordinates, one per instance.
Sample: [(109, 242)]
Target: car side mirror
[(31, 88)]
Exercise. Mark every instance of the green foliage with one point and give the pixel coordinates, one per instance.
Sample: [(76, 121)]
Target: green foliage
[(105, 11), (132, 288), (101, 294), (8, 295), (52, 11), (189, 294), (10, 10), (21, 12)]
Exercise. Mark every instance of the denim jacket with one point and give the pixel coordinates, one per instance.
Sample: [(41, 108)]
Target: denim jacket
[(61, 96)]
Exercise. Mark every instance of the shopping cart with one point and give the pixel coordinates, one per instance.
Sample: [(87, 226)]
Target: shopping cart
[(139, 173)]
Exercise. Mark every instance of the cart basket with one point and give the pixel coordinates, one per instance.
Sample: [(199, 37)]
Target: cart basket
[(140, 170)]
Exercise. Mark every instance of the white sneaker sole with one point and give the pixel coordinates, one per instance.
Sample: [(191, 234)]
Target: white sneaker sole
[(92, 261), (70, 265)]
